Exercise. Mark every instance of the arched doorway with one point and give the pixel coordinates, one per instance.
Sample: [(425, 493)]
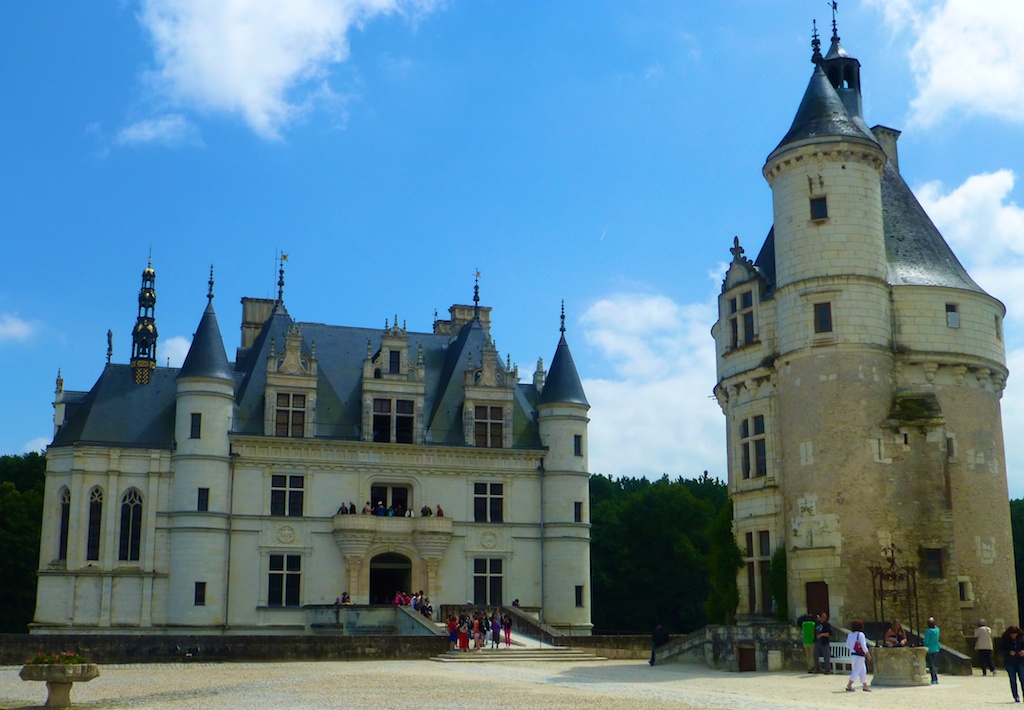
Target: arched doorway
[(389, 573)]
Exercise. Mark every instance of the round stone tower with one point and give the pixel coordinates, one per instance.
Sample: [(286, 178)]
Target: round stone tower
[(860, 370)]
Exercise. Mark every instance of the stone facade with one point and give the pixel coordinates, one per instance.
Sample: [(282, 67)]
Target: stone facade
[(860, 371), (207, 499)]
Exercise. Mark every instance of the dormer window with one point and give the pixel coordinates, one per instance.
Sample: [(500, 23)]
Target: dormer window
[(489, 426), (819, 209), (290, 419), (393, 420), (290, 397), (394, 362)]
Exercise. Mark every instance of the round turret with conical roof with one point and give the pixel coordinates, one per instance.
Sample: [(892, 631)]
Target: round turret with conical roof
[(565, 489), (204, 409)]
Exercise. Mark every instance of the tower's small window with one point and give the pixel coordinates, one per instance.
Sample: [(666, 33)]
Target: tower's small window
[(577, 444), (933, 563), (819, 208), (203, 500), (196, 425), (952, 316), (754, 460), (823, 317), (200, 594)]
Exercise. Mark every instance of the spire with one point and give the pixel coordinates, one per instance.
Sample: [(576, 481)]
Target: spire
[(280, 278), (207, 357), (822, 113), (144, 336), (815, 44), (563, 381), (843, 72), (476, 296)]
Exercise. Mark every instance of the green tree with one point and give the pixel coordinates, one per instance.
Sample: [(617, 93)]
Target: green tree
[(650, 553), (21, 514), (777, 583), (725, 559), (1017, 525)]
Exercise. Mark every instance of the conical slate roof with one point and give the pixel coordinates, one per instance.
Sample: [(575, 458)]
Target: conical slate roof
[(916, 252), (206, 357), (837, 50), (822, 114), (563, 382)]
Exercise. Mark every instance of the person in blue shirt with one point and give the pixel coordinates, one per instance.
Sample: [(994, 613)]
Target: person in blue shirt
[(931, 642)]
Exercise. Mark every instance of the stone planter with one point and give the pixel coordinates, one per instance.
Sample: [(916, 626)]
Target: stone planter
[(59, 678), (899, 666)]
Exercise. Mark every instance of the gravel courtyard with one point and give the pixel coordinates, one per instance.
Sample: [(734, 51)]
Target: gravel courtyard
[(625, 685)]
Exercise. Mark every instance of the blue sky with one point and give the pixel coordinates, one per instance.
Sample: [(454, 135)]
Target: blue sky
[(601, 152)]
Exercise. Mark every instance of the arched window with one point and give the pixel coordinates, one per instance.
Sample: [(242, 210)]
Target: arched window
[(131, 526), (92, 548), (65, 522)]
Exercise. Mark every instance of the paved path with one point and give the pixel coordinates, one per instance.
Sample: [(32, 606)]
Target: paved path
[(616, 685)]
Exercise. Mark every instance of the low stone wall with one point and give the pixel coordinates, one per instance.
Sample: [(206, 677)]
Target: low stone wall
[(15, 649), (624, 647), (760, 647)]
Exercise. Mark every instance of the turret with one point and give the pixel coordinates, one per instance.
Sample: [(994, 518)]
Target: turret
[(565, 507), (843, 72), (204, 408)]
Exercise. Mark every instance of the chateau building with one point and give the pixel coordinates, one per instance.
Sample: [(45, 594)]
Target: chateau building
[(860, 370), (208, 499)]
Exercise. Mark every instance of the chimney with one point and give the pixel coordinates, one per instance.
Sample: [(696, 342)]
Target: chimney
[(887, 138)]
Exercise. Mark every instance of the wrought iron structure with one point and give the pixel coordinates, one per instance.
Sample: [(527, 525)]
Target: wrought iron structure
[(894, 587)]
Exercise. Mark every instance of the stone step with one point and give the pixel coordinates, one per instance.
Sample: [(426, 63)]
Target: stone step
[(506, 655)]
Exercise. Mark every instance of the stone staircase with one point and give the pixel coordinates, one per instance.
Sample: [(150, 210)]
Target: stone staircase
[(508, 655)]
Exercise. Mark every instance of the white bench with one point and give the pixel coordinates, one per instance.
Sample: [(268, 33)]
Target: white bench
[(840, 656)]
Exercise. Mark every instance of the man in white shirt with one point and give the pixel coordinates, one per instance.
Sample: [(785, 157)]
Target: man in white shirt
[(983, 645)]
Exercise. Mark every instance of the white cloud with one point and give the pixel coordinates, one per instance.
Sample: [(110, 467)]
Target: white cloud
[(967, 56), (985, 228), (14, 328), (657, 415), (264, 60), (170, 130), (174, 349), (38, 444)]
